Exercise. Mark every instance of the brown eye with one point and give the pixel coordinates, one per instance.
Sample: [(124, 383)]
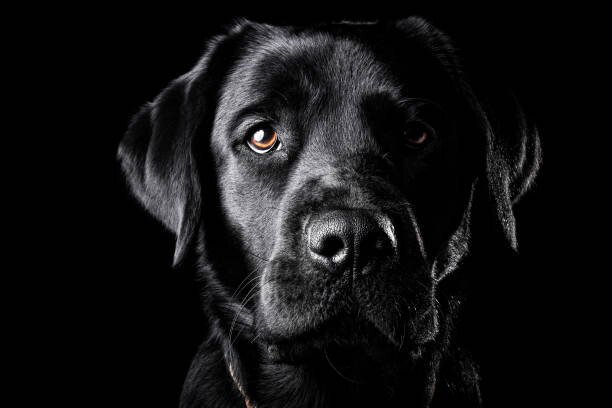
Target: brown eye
[(263, 139), (417, 135)]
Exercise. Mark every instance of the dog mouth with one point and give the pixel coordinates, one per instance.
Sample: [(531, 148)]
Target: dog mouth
[(295, 321), (349, 334)]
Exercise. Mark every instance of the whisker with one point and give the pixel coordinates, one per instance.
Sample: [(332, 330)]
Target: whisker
[(281, 95), (278, 209), (243, 282), (257, 256), (249, 296), (240, 309), (338, 371), (246, 284)]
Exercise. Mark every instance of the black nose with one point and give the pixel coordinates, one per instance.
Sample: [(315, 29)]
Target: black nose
[(349, 238)]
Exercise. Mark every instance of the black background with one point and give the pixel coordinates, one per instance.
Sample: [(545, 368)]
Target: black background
[(124, 324)]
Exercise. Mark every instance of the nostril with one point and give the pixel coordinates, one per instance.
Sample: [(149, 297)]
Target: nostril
[(329, 239), (375, 246), (382, 243), (330, 246)]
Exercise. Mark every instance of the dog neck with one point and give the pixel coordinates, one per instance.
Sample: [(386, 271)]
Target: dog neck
[(327, 383), (439, 375), (245, 377)]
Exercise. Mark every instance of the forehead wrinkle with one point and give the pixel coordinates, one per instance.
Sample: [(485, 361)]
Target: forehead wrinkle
[(357, 74), (336, 66)]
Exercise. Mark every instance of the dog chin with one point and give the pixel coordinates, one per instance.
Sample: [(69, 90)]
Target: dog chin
[(349, 332)]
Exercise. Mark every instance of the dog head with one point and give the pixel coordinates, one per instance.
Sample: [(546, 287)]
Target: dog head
[(332, 171)]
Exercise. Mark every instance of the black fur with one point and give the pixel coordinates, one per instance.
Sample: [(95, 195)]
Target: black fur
[(340, 97)]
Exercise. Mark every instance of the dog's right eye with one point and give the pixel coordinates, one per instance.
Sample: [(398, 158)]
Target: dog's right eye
[(263, 139)]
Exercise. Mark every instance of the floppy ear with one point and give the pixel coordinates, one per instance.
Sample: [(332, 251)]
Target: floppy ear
[(156, 153), (157, 160), (513, 158), (513, 151)]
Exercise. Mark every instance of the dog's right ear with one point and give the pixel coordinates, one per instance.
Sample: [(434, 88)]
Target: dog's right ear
[(156, 153)]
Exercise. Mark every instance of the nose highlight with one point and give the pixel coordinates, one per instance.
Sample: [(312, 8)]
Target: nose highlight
[(342, 239)]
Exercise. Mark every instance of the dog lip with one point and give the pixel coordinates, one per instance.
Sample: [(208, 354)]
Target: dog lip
[(350, 330), (303, 348), (306, 322)]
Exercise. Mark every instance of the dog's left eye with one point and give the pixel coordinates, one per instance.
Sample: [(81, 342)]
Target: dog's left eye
[(263, 139), (418, 135)]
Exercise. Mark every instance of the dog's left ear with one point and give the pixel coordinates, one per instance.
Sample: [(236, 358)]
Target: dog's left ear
[(157, 152), (513, 151), (513, 158)]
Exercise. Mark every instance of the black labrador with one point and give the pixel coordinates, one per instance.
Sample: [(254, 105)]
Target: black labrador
[(323, 181)]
